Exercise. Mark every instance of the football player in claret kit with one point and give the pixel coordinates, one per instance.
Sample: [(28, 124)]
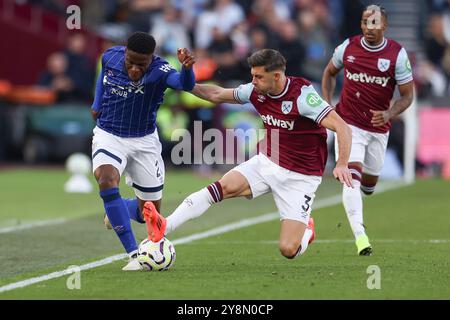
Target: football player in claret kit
[(129, 90), (373, 67), (291, 167)]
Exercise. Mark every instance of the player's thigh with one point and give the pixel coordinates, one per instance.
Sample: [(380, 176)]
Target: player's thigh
[(375, 155), (359, 143), (294, 196), (249, 178), (145, 169), (234, 184), (109, 155)]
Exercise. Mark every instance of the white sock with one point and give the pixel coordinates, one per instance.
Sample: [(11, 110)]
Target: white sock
[(305, 240), (352, 199), (192, 207)]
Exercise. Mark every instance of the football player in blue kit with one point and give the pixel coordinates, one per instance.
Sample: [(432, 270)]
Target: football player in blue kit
[(129, 90)]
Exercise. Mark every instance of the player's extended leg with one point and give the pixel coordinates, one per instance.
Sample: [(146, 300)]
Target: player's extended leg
[(352, 200), (295, 237), (233, 184), (134, 210), (108, 179)]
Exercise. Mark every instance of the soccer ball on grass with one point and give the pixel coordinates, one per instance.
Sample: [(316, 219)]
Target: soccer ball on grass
[(156, 256)]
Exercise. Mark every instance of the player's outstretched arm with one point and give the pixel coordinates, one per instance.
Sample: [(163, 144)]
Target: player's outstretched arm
[(96, 105), (380, 118), (214, 94), (329, 81), (334, 122)]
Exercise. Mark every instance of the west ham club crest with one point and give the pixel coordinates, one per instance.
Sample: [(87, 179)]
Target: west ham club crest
[(286, 107), (383, 64)]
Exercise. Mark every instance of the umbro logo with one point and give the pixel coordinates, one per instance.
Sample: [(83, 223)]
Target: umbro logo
[(351, 59), (189, 202)]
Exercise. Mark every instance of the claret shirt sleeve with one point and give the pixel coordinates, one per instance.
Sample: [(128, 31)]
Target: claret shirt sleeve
[(338, 55)]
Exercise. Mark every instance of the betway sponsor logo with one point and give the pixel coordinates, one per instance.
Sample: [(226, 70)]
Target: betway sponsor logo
[(365, 78), (270, 120)]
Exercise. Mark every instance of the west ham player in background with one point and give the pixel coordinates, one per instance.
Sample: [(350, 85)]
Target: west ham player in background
[(373, 66), (292, 169), (130, 88)]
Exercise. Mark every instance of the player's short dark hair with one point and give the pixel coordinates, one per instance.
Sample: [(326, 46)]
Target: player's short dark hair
[(383, 10), (141, 42), (269, 59)]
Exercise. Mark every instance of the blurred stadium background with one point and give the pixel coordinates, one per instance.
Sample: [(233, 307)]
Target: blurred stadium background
[(47, 72), (47, 75)]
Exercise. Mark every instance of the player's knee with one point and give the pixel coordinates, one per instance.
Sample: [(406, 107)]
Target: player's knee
[(107, 182), (368, 189), (289, 250)]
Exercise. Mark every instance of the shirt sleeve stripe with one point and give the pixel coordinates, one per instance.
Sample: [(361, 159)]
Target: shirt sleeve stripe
[(323, 114), (334, 64), (236, 96), (406, 80)]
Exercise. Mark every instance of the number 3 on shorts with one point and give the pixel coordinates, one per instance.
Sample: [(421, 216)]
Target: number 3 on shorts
[(305, 207)]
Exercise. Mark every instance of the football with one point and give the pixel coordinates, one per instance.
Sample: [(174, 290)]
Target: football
[(156, 256)]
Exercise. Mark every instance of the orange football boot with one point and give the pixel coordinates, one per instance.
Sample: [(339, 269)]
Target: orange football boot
[(156, 223), (311, 227)]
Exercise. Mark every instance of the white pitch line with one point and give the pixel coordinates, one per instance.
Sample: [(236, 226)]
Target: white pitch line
[(325, 241), (31, 225), (209, 233)]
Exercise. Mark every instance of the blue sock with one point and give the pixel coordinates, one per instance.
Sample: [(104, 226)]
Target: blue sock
[(133, 210), (118, 216)]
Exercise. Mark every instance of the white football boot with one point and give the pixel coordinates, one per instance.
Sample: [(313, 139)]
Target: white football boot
[(133, 264)]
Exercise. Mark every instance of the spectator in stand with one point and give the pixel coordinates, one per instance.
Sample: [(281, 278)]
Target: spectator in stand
[(169, 33), (80, 68), (269, 13), (222, 51), (434, 72), (224, 15), (56, 77), (258, 39), (140, 13), (190, 11), (291, 47), (317, 45)]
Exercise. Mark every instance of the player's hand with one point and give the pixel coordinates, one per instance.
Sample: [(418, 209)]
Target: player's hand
[(95, 114), (342, 173), (185, 57), (380, 118)]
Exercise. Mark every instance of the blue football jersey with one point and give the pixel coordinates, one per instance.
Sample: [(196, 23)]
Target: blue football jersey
[(127, 108)]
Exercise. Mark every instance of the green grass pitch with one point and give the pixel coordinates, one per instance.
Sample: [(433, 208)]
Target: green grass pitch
[(408, 227)]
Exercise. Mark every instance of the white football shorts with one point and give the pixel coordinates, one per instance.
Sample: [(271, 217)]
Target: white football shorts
[(293, 192), (140, 159), (368, 148)]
